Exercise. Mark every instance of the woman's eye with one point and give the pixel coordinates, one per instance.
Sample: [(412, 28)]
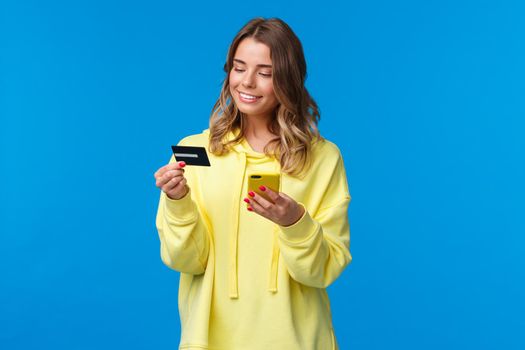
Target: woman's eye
[(266, 75)]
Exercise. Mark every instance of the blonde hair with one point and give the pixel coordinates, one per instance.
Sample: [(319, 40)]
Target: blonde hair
[(296, 117)]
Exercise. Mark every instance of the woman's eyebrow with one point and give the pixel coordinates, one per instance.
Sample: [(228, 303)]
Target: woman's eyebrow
[(259, 65)]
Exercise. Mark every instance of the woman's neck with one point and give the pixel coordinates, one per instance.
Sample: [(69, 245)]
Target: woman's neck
[(257, 128)]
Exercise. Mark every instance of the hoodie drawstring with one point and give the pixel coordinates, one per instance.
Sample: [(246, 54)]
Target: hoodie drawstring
[(274, 264), (234, 288), (234, 246)]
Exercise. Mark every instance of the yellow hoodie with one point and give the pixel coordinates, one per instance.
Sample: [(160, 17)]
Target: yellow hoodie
[(246, 282)]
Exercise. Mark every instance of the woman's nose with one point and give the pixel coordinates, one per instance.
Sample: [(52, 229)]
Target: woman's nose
[(248, 80)]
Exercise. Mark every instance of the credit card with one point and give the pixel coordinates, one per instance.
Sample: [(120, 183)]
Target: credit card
[(191, 155)]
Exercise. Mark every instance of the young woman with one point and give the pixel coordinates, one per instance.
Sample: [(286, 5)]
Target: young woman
[(254, 271)]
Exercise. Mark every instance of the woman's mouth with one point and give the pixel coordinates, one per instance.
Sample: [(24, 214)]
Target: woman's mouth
[(246, 98)]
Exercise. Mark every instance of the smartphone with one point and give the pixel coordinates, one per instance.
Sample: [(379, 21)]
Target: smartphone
[(270, 180)]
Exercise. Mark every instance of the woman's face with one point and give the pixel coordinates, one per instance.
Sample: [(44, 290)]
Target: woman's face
[(252, 75)]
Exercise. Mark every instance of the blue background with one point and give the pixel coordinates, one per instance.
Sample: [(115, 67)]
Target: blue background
[(424, 98)]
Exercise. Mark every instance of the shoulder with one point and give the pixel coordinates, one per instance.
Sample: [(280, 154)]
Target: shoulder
[(201, 139), (324, 151)]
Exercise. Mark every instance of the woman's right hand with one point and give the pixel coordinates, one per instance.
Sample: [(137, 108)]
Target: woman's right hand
[(170, 179)]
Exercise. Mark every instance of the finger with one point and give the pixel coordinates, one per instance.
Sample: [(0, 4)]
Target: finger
[(172, 173), (182, 183), (176, 165), (180, 190), (274, 196), (160, 171), (286, 197), (263, 202), (164, 179), (257, 208), (172, 183), (171, 166)]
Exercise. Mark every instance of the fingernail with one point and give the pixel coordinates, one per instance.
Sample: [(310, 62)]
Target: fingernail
[(262, 188), (251, 194), (250, 209), (182, 164), (246, 200)]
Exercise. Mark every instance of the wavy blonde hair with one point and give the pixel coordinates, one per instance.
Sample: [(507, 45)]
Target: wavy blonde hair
[(295, 118)]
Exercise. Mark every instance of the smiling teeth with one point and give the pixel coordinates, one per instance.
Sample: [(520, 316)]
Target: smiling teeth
[(250, 97)]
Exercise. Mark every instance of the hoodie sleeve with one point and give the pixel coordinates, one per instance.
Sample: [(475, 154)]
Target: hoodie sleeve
[(184, 237), (316, 249)]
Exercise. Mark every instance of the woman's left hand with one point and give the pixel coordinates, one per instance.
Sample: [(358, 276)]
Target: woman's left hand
[(283, 211)]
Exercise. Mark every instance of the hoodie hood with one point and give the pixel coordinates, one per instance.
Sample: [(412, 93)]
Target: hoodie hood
[(246, 155)]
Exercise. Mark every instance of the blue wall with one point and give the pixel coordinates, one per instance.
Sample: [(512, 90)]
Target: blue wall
[(424, 98)]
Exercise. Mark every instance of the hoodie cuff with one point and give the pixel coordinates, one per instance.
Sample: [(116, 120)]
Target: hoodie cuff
[(300, 231), (181, 210)]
